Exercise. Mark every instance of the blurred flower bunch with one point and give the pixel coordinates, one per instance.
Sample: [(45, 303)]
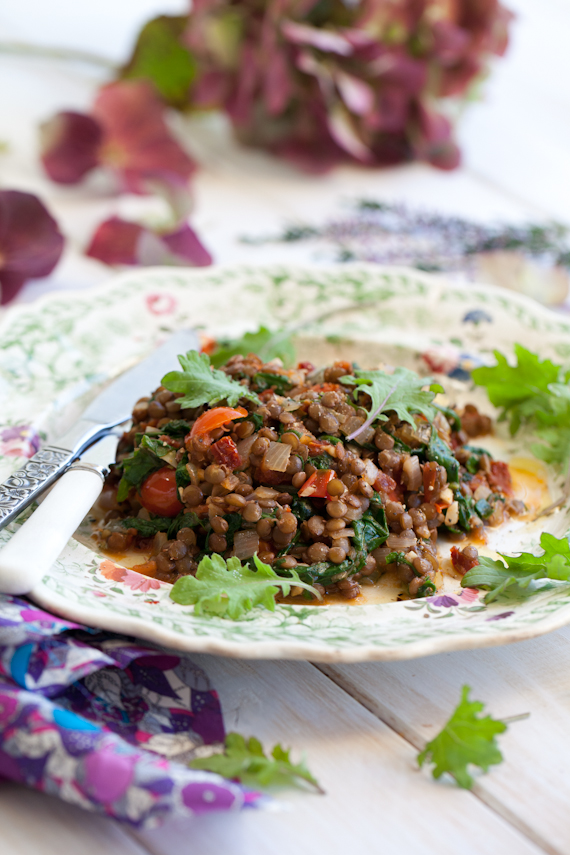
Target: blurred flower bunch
[(318, 82), (322, 81)]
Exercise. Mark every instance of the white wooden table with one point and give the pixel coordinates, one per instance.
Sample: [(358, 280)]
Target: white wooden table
[(360, 725)]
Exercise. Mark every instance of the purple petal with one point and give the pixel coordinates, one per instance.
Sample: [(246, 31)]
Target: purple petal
[(356, 94), (30, 241), (186, 245), (449, 41), (344, 134), (137, 142), (325, 40), (118, 241), (115, 242), (278, 85), (70, 144)]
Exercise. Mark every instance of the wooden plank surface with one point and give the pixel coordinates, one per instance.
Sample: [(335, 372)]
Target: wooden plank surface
[(32, 823), (531, 787), (376, 799)]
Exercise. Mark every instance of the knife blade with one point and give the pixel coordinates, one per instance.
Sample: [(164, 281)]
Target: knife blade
[(32, 550), (111, 407)]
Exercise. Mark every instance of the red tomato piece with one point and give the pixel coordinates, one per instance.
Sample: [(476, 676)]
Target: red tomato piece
[(461, 562), (500, 478), (306, 366), (315, 487), (159, 493), (212, 419), (225, 452), (385, 484), (325, 387)]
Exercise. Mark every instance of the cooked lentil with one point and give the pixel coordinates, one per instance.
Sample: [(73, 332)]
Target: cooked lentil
[(338, 510)]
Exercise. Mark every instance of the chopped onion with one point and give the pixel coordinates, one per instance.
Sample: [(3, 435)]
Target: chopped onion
[(401, 541), (370, 473), (351, 425), (344, 532), (452, 514), (482, 492), (365, 435), (170, 458), (380, 555), (354, 514), (277, 457), (265, 493), (244, 449), (412, 473), (246, 543)]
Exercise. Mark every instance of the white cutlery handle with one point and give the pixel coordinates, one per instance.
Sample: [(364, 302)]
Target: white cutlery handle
[(35, 546)]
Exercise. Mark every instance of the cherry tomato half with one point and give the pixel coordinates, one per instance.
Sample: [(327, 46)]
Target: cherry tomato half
[(212, 419), (159, 493)]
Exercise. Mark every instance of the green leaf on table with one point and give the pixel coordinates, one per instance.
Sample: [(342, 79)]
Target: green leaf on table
[(202, 384), (160, 56), (265, 343), (405, 399), (467, 739), (514, 573), (244, 760), (230, 589)]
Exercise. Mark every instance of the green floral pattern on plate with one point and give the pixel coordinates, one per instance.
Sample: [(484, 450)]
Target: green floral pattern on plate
[(57, 353)]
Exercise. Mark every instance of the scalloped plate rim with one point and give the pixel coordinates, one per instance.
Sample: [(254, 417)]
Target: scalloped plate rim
[(318, 650)]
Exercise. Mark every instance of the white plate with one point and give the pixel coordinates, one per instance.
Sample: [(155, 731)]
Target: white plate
[(56, 354)]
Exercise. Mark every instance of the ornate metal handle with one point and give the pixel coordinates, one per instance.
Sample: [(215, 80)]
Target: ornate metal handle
[(26, 484)]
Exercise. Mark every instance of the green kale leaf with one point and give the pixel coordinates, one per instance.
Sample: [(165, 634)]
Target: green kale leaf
[(467, 739), (370, 532), (154, 444), (148, 528), (514, 573), (231, 589), (202, 384), (176, 428), (519, 390), (245, 761), (136, 469), (534, 392), (265, 343), (321, 461), (405, 399), (182, 477), (441, 453), (267, 380), (302, 508)]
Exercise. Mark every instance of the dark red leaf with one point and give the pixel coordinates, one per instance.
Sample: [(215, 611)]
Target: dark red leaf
[(70, 144), (30, 241)]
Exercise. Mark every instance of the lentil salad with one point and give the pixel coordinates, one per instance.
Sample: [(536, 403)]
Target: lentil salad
[(306, 470)]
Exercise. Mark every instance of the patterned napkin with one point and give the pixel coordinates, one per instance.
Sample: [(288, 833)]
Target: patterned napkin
[(104, 723)]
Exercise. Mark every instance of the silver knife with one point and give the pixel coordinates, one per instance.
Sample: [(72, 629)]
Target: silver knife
[(32, 550), (111, 407)]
